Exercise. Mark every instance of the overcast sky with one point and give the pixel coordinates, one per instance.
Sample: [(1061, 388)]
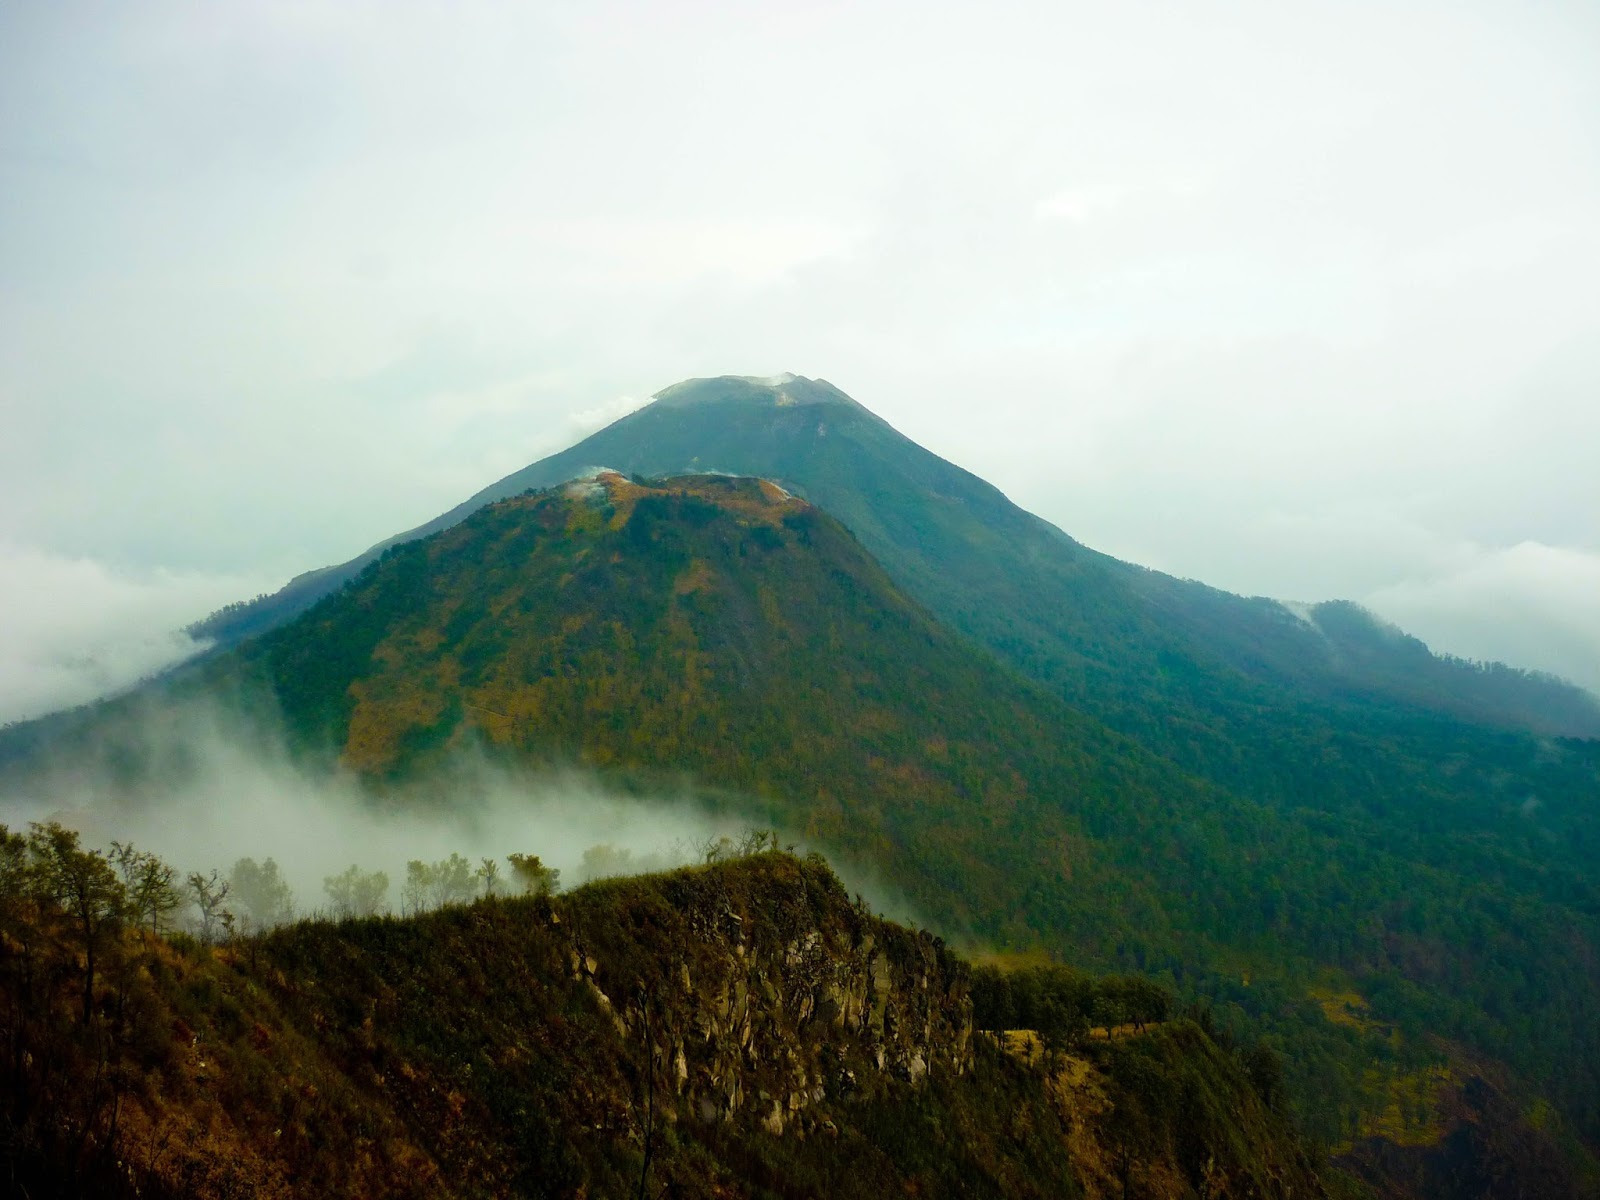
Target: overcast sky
[(1297, 299)]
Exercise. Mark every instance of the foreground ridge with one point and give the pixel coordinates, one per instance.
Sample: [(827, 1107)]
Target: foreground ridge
[(732, 1030)]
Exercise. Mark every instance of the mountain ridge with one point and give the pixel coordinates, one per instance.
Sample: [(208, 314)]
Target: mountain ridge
[(723, 629), (743, 428), (734, 1030), (723, 626)]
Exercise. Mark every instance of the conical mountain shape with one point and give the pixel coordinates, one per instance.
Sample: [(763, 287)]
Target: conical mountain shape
[(726, 631), (1104, 631), (722, 630), (1240, 691)]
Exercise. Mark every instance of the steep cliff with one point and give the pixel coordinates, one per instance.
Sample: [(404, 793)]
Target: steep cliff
[(768, 1000), (740, 1029)]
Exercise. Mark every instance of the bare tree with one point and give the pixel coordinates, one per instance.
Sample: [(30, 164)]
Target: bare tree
[(489, 872), (715, 849), (210, 893), (756, 841)]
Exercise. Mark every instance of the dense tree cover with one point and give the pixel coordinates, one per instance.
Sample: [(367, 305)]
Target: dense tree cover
[(1327, 717), (717, 627), (75, 949), (1119, 638), (461, 1052), (1238, 829), (1063, 1005)]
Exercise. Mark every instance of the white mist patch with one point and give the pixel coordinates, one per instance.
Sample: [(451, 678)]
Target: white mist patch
[(590, 420), (212, 788), (1302, 612), (1530, 605), (74, 629)]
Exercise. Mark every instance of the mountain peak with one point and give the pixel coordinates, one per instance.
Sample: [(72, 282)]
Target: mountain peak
[(785, 390)]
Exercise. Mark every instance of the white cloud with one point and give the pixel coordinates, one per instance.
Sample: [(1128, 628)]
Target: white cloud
[(1083, 203), (589, 420), (1532, 605), (213, 785), (217, 787), (72, 629)]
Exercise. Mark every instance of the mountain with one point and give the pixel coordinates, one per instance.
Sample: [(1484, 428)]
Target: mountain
[(731, 1031), (722, 629), (1405, 903), (1080, 619), (1324, 708)]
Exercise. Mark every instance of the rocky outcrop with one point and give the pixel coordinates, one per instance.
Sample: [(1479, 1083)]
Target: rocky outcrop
[(775, 994), (725, 1032)]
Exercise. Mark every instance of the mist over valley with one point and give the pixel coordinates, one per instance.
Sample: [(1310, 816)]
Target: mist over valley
[(1088, 685)]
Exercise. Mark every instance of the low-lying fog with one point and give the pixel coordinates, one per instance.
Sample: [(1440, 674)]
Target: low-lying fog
[(204, 787)]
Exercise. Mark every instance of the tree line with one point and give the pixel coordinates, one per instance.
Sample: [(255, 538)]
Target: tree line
[(1063, 1005), (99, 893), (85, 936)]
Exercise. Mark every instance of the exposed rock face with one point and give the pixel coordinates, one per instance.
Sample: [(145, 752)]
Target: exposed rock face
[(541, 1046), (774, 999)]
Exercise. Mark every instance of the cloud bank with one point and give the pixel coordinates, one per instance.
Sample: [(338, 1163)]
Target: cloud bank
[(1532, 605), (203, 785), (75, 629)]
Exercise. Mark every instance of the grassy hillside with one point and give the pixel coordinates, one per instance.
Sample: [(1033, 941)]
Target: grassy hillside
[(723, 631), (720, 627), (738, 1030)]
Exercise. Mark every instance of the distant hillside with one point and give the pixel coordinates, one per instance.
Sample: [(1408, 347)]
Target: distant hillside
[(740, 1030)]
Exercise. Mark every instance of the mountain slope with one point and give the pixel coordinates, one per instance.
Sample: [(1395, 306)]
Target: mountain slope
[(718, 632), (1331, 713), (1083, 620), (721, 627), (730, 1031), (718, 626)]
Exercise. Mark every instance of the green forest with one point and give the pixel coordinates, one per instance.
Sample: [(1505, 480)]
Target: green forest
[(639, 1036), (715, 627), (1390, 915)]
